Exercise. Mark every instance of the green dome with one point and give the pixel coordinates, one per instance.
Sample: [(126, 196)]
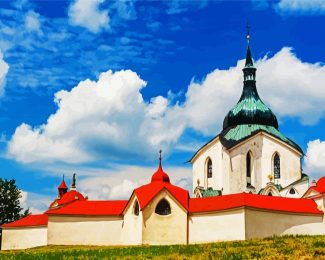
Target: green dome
[(250, 109)]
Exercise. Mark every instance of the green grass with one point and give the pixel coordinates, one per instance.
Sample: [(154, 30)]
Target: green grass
[(288, 247)]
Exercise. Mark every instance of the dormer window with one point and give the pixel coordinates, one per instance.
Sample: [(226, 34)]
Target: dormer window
[(136, 208), (163, 208), (209, 168)]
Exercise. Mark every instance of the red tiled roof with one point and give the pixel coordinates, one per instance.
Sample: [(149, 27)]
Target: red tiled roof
[(223, 202), (29, 221), (320, 185), (90, 208)]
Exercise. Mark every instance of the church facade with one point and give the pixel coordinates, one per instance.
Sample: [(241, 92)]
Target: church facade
[(247, 183)]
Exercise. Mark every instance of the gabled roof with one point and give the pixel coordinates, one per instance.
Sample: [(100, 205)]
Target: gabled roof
[(209, 204), (29, 221), (159, 181), (147, 192), (91, 208), (232, 136)]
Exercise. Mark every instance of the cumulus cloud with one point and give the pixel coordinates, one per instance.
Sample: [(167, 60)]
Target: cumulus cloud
[(119, 183), (32, 22), (288, 85), (36, 203), (4, 68), (300, 7), (315, 158), (109, 118), (87, 14), (96, 119)]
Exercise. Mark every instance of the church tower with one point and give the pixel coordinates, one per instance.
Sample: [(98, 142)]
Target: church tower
[(250, 154)]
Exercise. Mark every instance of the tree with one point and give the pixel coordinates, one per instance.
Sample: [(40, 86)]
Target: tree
[(10, 209)]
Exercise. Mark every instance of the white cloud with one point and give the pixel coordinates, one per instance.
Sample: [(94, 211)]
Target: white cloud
[(109, 118), (4, 68), (36, 203), (288, 85), (315, 158), (301, 7), (32, 22), (120, 182), (87, 14)]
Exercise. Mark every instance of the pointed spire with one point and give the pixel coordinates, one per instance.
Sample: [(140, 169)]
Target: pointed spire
[(249, 59)]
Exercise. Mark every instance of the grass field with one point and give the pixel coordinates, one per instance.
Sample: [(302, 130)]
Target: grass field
[(299, 247)]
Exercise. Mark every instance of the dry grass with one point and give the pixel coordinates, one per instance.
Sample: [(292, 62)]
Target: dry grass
[(289, 247)]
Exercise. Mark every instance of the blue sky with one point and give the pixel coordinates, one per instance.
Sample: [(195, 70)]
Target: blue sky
[(162, 74)]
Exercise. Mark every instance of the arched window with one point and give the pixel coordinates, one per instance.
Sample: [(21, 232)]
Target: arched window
[(292, 191), (276, 166), (136, 208), (163, 208), (248, 168), (209, 168), (270, 194)]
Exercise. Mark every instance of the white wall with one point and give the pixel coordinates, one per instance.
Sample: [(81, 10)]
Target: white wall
[(84, 230), (212, 151), (217, 226), (164, 230), (289, 159), (229, 166), (24, 237), (132, 225), (261, 223)]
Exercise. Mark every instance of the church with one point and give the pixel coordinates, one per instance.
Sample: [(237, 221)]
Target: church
[(247, 183)]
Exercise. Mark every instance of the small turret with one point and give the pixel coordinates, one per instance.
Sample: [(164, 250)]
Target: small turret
[(63, 188)]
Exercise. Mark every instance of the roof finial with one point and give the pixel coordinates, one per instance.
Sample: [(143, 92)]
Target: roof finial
[(160, 157), (62, 176), (248, 36), (73, 185)]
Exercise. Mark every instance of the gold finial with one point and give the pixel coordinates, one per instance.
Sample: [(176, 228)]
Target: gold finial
[(270, 177), (198, 182)]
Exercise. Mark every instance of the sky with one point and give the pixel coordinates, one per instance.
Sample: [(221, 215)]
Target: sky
[(97, 87)]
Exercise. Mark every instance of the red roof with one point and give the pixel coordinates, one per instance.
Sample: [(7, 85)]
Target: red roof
[(70, 197), (320, 185), (96, 208), (255, 201), (160, 181), (29, 221), (63, 185)]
